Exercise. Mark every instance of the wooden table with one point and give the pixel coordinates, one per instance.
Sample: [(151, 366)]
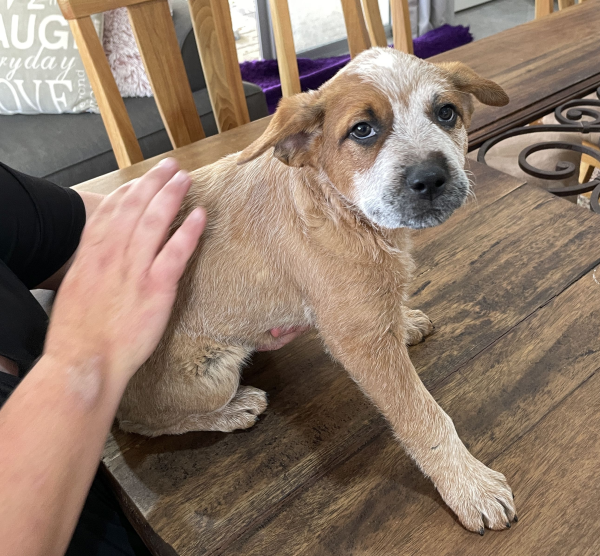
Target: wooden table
[(511, 284), (540, 64)]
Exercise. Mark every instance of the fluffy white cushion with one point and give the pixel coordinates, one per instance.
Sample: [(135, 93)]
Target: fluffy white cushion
[(123, 55)]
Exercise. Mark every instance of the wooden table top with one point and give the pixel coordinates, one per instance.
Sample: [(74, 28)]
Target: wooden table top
[(511, 285), (540, 64)]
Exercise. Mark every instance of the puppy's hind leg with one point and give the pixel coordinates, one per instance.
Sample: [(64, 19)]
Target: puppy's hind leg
[(194, 387), (417, 326), (240, 413)]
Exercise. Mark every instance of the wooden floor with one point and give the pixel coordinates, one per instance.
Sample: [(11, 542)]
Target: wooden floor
[(509, 282)]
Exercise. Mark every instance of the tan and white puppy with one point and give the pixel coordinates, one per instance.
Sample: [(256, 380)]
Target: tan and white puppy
[(308, 225)]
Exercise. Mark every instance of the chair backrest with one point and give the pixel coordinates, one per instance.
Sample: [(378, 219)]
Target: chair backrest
[(154, 32), (213, 29), (401, 26), (364, 29), (546, 7), (374, 22)]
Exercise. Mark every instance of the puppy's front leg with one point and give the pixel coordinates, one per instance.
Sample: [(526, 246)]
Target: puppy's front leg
[(378, 361)]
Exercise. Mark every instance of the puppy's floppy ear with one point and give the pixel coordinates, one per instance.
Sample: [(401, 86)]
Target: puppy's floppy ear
[(467, 81), (292, 131)]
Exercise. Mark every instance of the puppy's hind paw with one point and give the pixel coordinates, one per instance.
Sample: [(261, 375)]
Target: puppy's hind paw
[(242, 411), (249, 399), (418, 326)]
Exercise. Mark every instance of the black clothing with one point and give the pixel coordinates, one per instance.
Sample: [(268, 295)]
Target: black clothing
[(40, 228)]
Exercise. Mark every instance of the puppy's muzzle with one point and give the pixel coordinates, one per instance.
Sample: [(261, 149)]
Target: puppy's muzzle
[(427, 180)]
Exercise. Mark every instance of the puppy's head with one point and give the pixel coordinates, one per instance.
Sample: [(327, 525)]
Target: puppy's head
[(390, 133)]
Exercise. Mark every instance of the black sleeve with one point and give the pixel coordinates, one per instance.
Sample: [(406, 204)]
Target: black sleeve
[(40, 225)]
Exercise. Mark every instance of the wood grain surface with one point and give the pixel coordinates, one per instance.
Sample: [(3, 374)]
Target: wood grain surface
[(374, 22), (213, 29), (543, 8), (73, 9), (190, 158), (155, 35), (540, 64), (509, 283), (401, 26), (499, 401), (284, 45), (356, 28)]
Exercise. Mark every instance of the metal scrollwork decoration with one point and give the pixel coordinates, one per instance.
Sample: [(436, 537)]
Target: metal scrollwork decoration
[(569, 115)]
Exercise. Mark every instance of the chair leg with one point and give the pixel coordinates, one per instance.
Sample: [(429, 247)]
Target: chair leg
[(588, 165), (585, 171)]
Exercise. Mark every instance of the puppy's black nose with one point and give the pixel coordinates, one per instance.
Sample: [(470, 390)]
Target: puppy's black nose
[(427, 180)]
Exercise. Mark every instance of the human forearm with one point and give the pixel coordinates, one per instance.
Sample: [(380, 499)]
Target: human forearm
[(111, 311), (52, 430)]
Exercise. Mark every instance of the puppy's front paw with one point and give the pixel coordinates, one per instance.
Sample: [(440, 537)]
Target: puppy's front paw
[(418, 326), (479, 496)]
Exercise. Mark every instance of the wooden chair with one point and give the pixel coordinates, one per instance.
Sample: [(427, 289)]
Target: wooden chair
[(546, 7), (155, 35), (402, 33), (364, 29), (588, 164)]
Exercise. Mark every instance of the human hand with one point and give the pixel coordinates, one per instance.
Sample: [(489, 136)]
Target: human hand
[(115, 301)]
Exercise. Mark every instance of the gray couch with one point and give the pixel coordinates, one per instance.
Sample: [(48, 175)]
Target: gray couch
[(70, 148)]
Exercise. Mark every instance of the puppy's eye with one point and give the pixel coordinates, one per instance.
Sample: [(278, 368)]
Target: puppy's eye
[(362, 131), (447, 114)]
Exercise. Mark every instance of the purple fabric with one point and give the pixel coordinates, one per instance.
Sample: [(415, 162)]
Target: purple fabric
[(442, 39), (313, 73)]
